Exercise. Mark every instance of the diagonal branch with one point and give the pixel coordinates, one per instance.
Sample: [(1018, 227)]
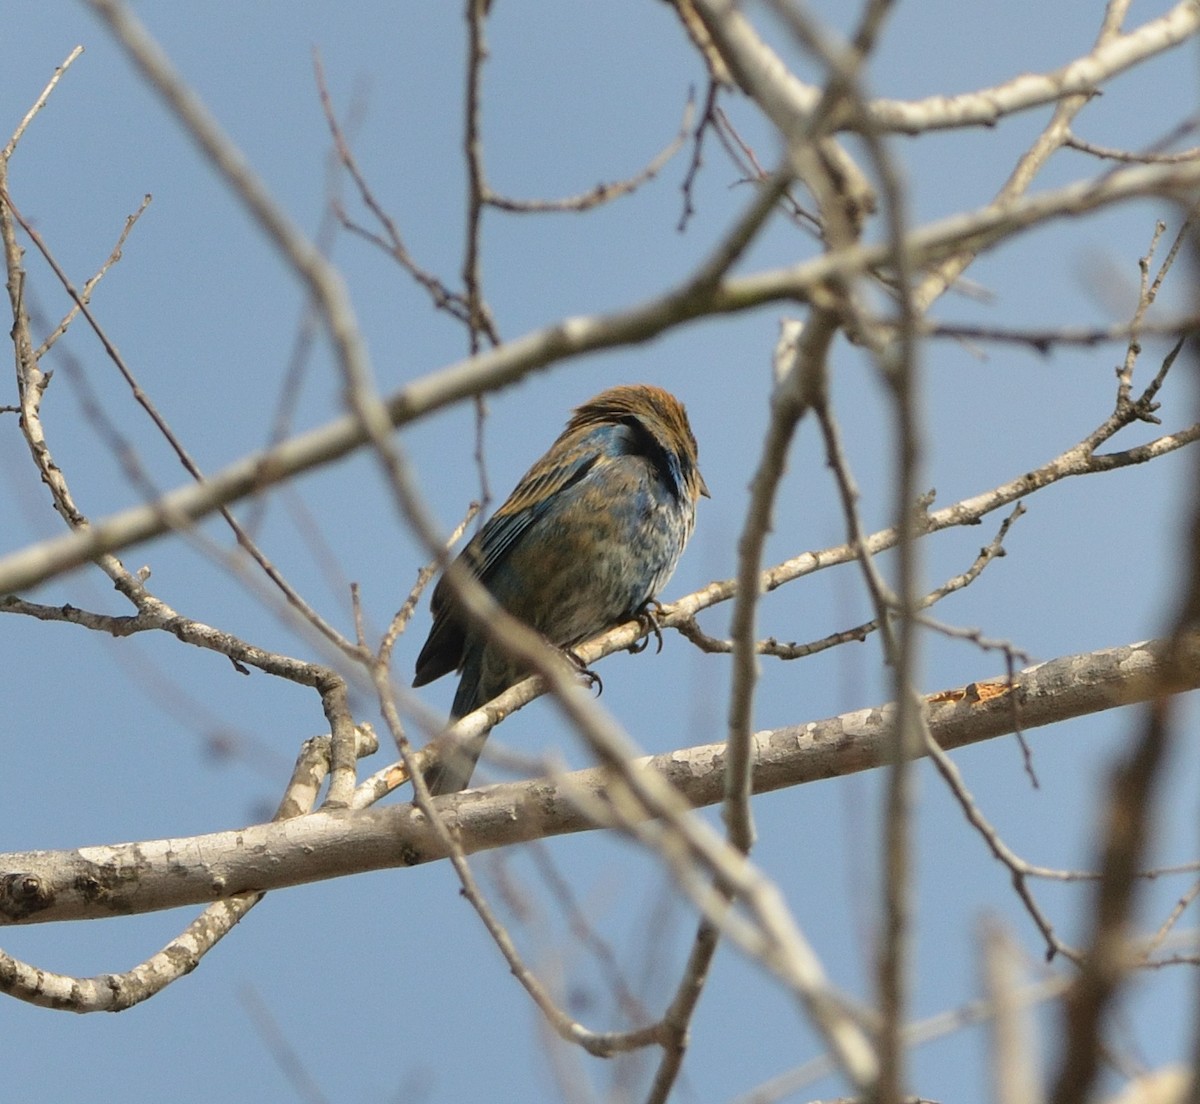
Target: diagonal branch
[(710, 291)]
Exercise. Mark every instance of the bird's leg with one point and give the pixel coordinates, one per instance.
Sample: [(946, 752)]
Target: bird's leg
[(647, 619), (590, 677)]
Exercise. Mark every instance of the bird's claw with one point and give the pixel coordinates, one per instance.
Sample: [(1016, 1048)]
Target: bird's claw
[(647, 619), (593, 680)]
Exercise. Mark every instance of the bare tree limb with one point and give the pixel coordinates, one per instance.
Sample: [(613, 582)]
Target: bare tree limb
[(98, 882), (985, 106)]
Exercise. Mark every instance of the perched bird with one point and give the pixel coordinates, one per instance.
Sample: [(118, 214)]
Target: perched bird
[(586, 540)]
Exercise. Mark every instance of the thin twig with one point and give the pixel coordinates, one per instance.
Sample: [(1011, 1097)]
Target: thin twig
[(85, 293), (601, 193), (393, 242), (477, 187), (38, 104), (689, 627), (706, 123), (1109, 153)]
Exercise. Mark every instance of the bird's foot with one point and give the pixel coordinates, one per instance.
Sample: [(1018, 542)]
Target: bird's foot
[(647, 619), (593, 680)]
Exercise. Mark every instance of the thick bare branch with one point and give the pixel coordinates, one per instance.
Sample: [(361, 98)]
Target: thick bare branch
[(108, 881)]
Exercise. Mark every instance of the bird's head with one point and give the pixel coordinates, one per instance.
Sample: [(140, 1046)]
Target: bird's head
[(659, 421)]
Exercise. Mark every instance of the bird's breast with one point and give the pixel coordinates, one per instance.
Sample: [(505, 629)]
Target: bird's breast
[(594, 561)]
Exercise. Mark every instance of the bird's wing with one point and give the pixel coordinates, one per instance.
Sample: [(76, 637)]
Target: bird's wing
[(443, 648), (536, 495)]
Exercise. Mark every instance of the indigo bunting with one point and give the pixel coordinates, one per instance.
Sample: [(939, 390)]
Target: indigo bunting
[(586, 540)]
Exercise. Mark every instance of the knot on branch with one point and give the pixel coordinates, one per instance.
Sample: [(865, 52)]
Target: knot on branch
[(23, 894)]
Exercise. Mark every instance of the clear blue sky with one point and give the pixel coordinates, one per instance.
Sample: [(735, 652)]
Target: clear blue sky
[(386, 985)]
